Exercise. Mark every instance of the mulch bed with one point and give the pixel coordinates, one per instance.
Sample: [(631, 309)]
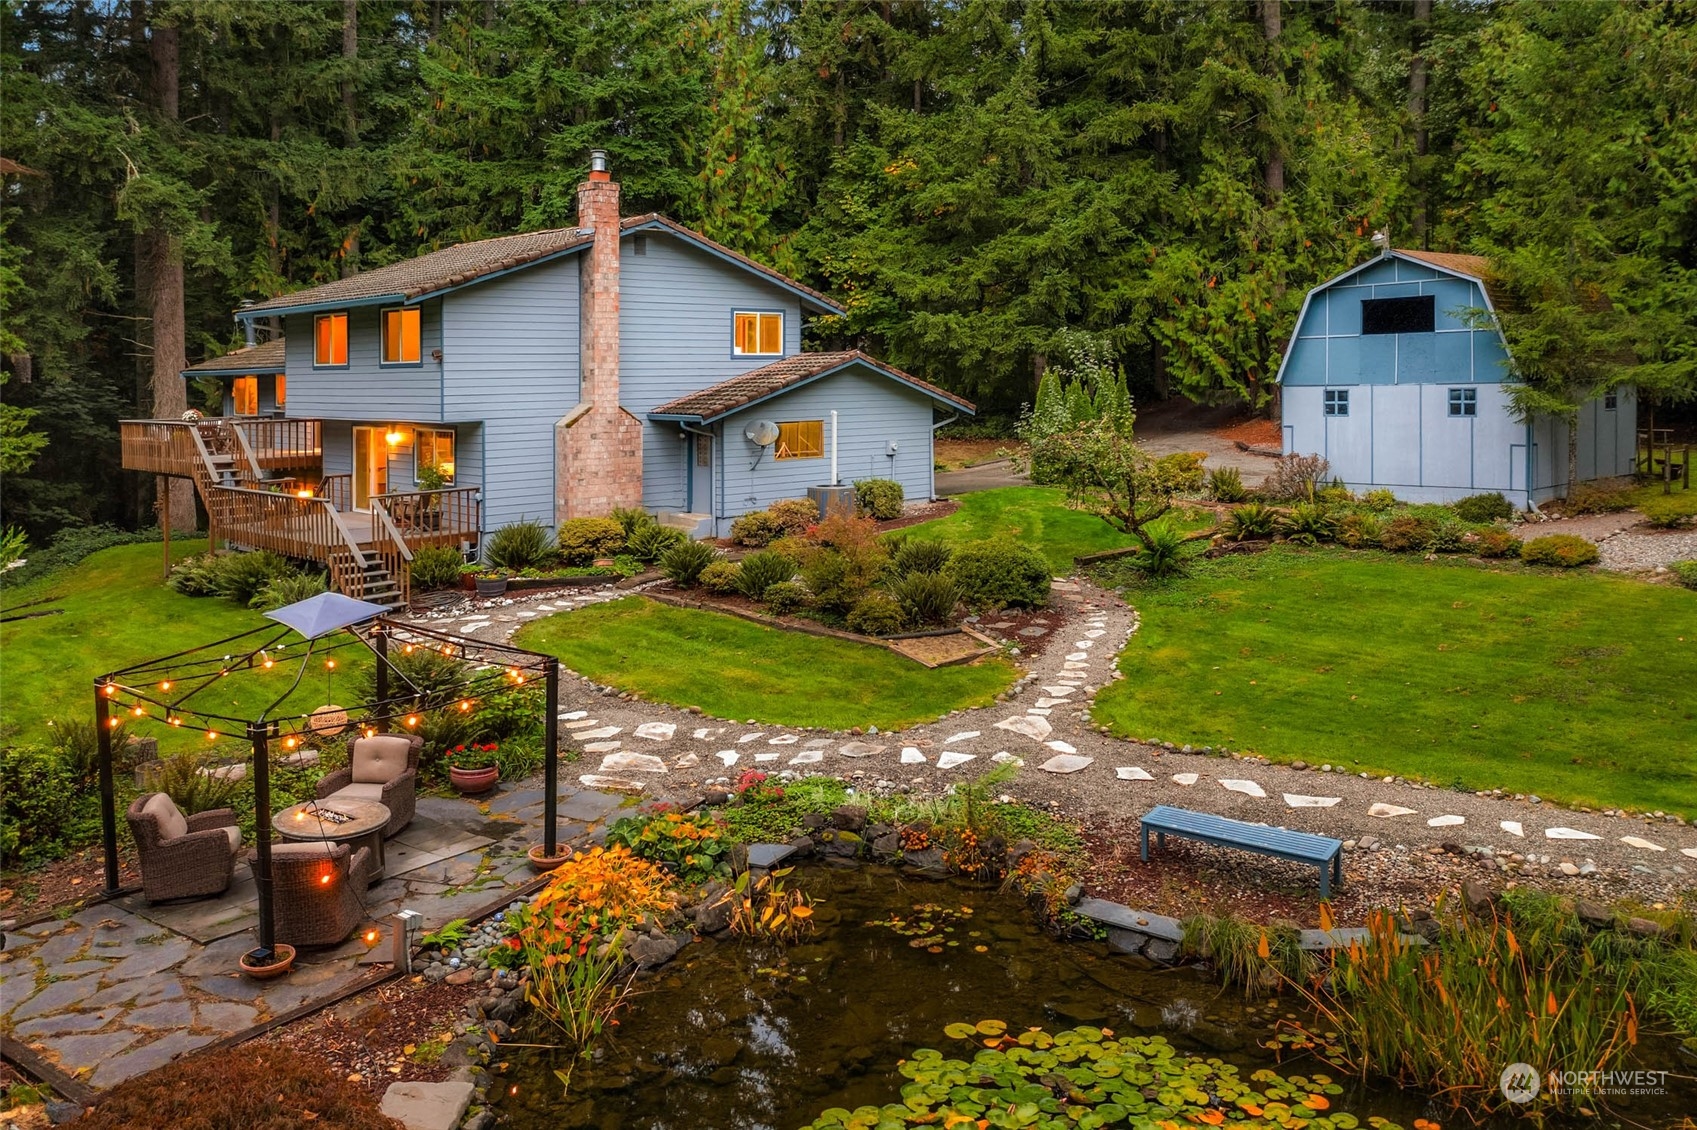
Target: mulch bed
[(1256, 432), (911, 516), (64, 882)]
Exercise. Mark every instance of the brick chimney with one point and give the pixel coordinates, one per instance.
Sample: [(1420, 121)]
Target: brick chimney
[(598, 445)]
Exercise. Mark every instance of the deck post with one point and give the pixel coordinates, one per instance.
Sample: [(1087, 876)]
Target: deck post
[(256, 733), (380, 644), (162, 510)]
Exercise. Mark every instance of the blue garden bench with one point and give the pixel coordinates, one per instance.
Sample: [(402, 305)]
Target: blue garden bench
[(1281, 843)]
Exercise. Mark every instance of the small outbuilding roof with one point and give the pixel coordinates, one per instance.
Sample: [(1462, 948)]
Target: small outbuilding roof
[(768, 381), (266, 357)]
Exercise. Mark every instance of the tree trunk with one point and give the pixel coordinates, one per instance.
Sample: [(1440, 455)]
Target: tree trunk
[(1271, 25), (160, 267), (1418, 69), (1572, 454), (350, 115)]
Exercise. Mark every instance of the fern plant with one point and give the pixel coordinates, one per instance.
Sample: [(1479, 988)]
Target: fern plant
[(1251, 520)]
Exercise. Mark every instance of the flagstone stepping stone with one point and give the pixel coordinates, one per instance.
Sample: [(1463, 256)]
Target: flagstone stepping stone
[(784, 739), (582, 723), (1058, 692), (616, 784), (1041, 712), (1445, 821), (1568, 834), (1004, 757), (1077, 655), (860, 749), (766, 757), (1512, 827), (1133, 773), (1046, 703), (950, 760), (1034, 728), (728, 756), (1640, 842), (1061, 747), (526, 615), (602, 747), (1095, 634), (1688, 852), (750, 738), (603, 732), (687, 761), (1186, 778), (1385, 811), (628, 762), (1075, 667), (705, 733), (1298, 800), (1066, 763), (572, 715), (1247, 788), (807, 757), (1084, 644), (656, 731), (912, 756), (964, 735)]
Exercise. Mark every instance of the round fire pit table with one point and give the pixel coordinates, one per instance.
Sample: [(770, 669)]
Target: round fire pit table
[(311, 822)]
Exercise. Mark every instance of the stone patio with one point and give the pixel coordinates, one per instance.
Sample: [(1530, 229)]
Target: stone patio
[(122, 988)]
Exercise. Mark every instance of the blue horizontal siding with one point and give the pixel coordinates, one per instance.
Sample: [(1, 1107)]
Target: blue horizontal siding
[(365, 389)]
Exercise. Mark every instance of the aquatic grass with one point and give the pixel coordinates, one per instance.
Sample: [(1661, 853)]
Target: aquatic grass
[(1257, 958)]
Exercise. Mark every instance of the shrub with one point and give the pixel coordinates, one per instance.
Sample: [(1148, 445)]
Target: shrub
[(1251, 520), (282, 591), (38, 798), (1588, 498), (794, 515), (846, 562), (785, 597), (921, 555), (760, 571), (1000, 574), (684, 562), (519, 545), (256, 1086), (927, 598), (831, 580), (1497, 543), (877, 615), (1685, 572), (1295, 476), (241, 575), (431, 678), (1666, 511), (1308, 523), (1563, 551), (1405, 532), (1358, 531), (436, 567), (721, 577), (650, 543), (1163, 556), (1335, 494), (582, 540), (191, 790), (756, 528), (793, 547), (1479, 508), (1379, 500), (76, 741), (1225, 484), (878, 498), (1447, 535), (1182, 470), (195, 576)]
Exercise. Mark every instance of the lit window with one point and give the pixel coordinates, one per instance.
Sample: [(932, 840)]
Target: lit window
[(434, 447), (1464, 402), (1610, 402), (1337, 402), (331, 340), (281, 398), (759, 335), (244, 394), (401, 336), (803, 439)]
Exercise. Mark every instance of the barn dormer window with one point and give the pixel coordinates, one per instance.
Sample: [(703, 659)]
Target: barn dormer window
[(1417, 315)]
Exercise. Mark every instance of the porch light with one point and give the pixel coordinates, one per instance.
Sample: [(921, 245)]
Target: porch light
[(394, 437)]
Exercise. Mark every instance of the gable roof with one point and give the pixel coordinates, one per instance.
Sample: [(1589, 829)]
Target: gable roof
[(266, 357), (436, 272), (760, 384)]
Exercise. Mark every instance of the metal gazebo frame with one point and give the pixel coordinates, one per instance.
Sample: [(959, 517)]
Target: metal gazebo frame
[(150, 690)]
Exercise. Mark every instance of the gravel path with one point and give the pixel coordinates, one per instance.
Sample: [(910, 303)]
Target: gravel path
[(1389, 825), (1625, 543)]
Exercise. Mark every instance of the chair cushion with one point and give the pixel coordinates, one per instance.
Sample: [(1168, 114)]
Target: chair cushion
[(235, 835), (358, 792), (305, 849), (165, 814), (380, 759)]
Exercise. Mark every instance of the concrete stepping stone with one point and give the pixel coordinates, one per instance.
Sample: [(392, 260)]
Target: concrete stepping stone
[(427, 1106), (1058, 692), (1133, 773), (598, 734), (1247, 788), (1298, 800), (860, 749), (1077, 655), (728, 756), (601, 747), (1641, 842), (964, 735), (1568, 834), (766, 757), (1003, 757), (705, 733), (807, 757), (784, 739), (1512, 827), (1034, 728), (572, 715), (750, 738), (1186, 778), (912, 756), (1046, 703), (615, 784), (582, 723), (1061, 747), (1095, 633), (527, 615), (1385, 811), (950, 760), (656, 731), (1066, 763), (632, 763), (687, 761), (1446, 821)]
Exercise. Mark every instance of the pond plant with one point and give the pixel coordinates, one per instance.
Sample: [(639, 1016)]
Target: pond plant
[(764, 906), (691, 846)]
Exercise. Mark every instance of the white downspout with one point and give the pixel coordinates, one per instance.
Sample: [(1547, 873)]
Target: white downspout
[(835, 481)]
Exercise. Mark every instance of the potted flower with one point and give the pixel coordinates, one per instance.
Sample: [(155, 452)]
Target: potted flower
[(474, 768), (491, 583), (430, 478)]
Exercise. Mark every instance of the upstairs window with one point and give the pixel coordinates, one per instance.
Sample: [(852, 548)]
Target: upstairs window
[(1337, 402), (330, 340), (281, 391), (401, 336), (1417, 315), (800, 439), (1464, 402), (244, 396), (758, 335)]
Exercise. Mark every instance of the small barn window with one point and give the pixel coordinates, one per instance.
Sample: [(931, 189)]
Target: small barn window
[(1417, 315), (1337, 402), (639, 244), (1464, 402), (1610, 402), (801, 439)]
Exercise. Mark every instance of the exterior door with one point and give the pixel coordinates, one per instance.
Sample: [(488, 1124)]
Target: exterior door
[(701, 477), (371, 466)]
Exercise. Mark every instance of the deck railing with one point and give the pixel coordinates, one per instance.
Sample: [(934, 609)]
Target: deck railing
[(282, 445), (166, 447), (163, 447), (434, 517), (281, 522), (339, 489)]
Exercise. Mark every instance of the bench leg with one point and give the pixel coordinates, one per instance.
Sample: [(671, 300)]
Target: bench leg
[(1325, 882), (1337, 869), (1144, 829)]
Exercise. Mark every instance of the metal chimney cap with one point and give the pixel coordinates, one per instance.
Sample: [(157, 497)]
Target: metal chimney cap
[(597, 160)]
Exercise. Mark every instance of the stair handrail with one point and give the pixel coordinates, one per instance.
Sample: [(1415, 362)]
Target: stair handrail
[(247, 448), (397, 559)]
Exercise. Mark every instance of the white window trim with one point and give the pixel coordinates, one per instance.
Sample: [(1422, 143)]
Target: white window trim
[(757, 314), (382, 343), (348, 339)]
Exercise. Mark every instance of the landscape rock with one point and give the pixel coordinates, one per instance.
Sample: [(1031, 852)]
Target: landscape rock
[(849, 817)]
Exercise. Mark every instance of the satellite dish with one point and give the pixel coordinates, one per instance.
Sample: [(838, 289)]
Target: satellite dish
[(761, 433)]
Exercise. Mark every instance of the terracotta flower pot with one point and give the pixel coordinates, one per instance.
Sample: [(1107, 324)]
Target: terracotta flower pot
[(282, 961), (474, 780), (543, 862)]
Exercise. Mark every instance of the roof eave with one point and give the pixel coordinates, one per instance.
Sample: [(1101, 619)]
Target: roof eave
[(248, 313), (249, 371), (426, 295)]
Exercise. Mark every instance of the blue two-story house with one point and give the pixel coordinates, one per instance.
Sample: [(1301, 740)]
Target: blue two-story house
[(1398, 381), (627, 361)]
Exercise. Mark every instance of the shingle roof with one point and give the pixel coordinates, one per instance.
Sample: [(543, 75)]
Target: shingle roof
[(1474, 266), (266, 357), (726, 397)]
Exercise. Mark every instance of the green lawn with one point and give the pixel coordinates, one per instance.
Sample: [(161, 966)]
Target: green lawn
[(1578, 687), (113, 611), (1035, 515), (733, 668)]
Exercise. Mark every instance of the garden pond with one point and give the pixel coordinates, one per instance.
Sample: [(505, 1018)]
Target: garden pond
[(740, 1035)]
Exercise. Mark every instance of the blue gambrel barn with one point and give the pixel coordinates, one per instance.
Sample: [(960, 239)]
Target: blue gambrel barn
[(1393, 382)]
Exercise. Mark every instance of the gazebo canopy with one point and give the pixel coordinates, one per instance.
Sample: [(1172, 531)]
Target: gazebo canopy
[(325, 613)]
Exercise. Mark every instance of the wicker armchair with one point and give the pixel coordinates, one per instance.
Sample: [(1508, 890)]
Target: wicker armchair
[(383, 768), (307, 910), (183, 856)]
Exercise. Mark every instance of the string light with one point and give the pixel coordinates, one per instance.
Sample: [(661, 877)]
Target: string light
[(291, 742), (176, 721), (329, 664), (138, 711), (113, 722), (268, 661), (412, 719), (407, 649), (109, 689), (371, 937), (212, 735), (165, 685), (324, 879), (465, 704)]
